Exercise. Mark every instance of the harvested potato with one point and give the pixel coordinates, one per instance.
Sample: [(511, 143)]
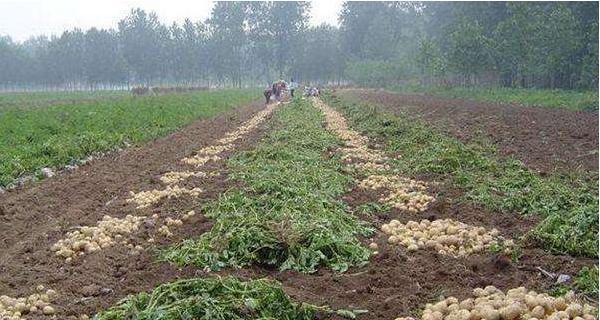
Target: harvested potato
[(490, 303), (445, 236)]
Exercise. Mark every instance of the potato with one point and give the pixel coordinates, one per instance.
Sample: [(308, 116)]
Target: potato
[(510, 312), (489, 314), (48, 310), (559, 304), (574, 310), (538, 312)]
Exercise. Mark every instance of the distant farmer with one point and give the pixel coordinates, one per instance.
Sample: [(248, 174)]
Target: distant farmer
[(268, 93), (278, 88), (292, 85)]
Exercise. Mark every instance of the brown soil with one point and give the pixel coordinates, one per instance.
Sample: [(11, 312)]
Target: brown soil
[(394, 283), (34, 218), (543, 138)]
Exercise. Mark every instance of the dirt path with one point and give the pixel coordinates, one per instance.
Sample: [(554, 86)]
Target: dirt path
[(32, 220), (543, 138)]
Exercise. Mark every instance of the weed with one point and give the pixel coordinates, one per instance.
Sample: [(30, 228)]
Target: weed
[(372, 208), (587, 281)]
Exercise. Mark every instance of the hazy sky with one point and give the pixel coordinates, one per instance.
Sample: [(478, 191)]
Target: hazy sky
[(21, 19)]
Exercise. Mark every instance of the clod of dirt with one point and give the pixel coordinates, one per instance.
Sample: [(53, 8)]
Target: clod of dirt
[(91, 290)]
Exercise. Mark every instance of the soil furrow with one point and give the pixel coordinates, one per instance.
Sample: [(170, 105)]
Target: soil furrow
[(544, 139), (33, 219)]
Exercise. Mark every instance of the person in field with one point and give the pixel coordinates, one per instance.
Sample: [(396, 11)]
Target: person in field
[(268, 93), (281, 87), (292, 85)]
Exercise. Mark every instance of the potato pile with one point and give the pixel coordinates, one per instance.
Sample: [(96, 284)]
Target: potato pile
[(401, 193), (91, 239), (247, 126), (362, 152), (214, 150), (405, 194), (174, 177), (446, 236), (371, 166), (144, 199), (199, 160), (15, 308), (210, 153), (492, 304), (374, 160), (165, 230), (411, 201)]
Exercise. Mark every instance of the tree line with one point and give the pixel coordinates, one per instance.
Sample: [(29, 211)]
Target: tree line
[(520, 44), (512, 44)]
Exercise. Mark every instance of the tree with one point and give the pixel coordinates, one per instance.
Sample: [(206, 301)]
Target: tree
[(469, 52), (103, 62), (228, 43), (430, 60), (287, 21), (319, 59), (140, 42)]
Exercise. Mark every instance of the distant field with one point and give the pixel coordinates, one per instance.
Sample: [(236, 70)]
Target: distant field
[(34, 99), (566, 99), (66, 127)]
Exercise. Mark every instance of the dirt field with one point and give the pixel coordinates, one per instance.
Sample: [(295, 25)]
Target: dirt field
[(392, 284), (543, 138), (31, 220)]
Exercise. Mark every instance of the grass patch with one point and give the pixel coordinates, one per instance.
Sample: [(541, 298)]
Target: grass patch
[(566, 99), (568, 203), (587, 281), (211, 299), (45, 99), (56, 135), (288, 215)]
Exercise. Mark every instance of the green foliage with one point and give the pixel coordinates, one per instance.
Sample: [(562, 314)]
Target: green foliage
[(587, 281), (372, 73), (469, 51), (320, 55), (568, 204), (566, 99), (289, 214), (59, 134), (430, 59), (211, 299), (44, 99)]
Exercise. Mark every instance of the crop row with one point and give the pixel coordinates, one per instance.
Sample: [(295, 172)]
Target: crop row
[(61, 133), (111, 231), (288, 214), (567, 203), (285, 214), (458, 239), (445, 236)]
